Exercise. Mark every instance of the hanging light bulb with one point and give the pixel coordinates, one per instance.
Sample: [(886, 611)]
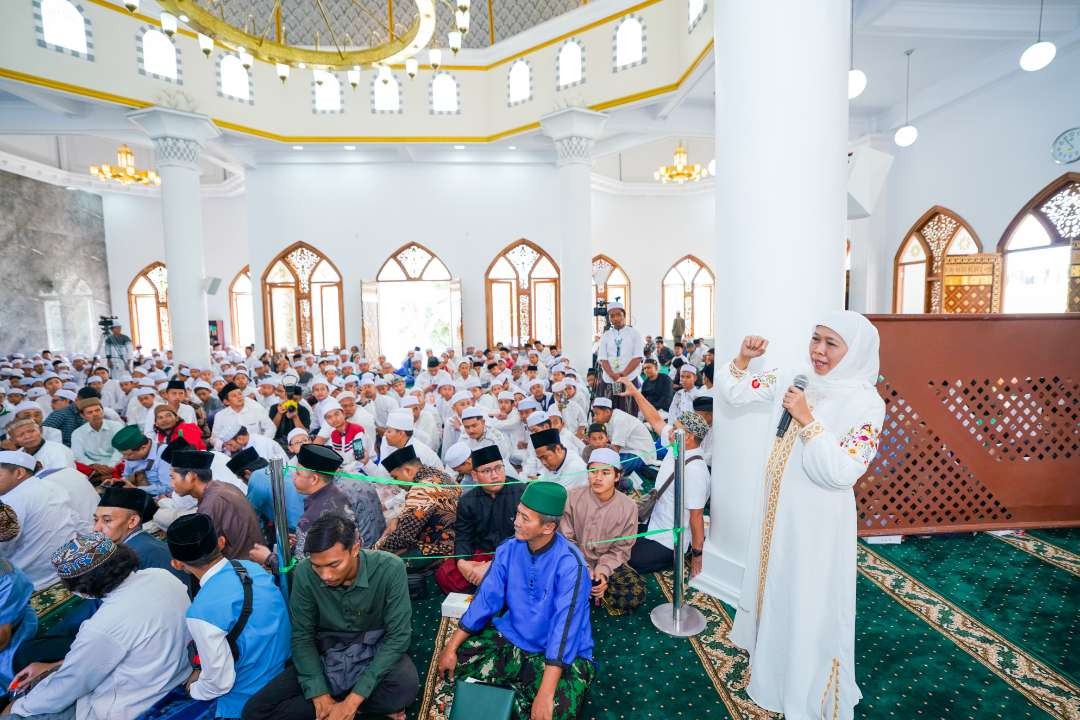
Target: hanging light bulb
[(463, 5), (385, 76), (354, 78), (856, 79), (455, 41), (461, 20), (435, 58), (907, 134), (1040, 53), (412, 66), (282, 71), (245, 58), (131, 5), (168, 23), (206, 44)]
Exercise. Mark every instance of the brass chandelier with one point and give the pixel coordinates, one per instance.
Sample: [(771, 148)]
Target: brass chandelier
[(124, 171), (332, 48), (681, 171)]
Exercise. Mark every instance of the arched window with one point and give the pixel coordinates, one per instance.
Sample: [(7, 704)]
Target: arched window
[(523, 296), (518, 82), (302, 301), (241, 310), (614, 286), (444, 94), (326, 93), (418, 303), (695, 10), (629, 43), (570, 64), (385, 96), (233, 78), (918, 264), (148, 303), (1037, 247), (158, 56), (688, 288), (63, 27)]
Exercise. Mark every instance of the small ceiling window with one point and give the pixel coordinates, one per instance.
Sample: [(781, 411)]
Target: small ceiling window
[(629, 43), (159, 57), (444, 94), (63, 27), (519, 82), (569, 64)]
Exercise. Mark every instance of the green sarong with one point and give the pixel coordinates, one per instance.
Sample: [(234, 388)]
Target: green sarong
[(491, 658)]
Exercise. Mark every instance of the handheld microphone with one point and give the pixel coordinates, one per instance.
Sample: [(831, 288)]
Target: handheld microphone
[(800, 381)]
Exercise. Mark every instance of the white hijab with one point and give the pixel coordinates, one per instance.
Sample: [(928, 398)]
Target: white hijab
[(858, 369)]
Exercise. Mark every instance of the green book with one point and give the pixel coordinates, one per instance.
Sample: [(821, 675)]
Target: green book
[(479, 700)]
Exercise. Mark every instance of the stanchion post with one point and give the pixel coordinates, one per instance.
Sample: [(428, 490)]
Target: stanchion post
[(281, 520), (676, 618)]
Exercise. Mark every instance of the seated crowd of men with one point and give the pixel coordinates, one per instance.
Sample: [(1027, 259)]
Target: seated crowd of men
[(149, 495)]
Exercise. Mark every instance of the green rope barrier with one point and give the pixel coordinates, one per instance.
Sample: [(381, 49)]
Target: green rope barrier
[(289, 568), (677, 531)]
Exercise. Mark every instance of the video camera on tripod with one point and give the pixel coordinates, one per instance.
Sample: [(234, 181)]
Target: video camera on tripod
[(105, 322)]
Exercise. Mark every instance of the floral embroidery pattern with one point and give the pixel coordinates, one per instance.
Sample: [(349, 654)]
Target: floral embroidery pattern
[(862, 443), (765, 379)]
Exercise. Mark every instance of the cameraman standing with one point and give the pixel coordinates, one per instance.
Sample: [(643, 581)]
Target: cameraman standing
[(118, 350), (290, 414)]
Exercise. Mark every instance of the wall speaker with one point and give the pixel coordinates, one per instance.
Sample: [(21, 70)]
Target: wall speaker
[(211, 285)]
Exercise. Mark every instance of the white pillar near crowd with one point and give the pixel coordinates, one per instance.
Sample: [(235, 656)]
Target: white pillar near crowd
[(179, 138), (574, 132), (781, 151)]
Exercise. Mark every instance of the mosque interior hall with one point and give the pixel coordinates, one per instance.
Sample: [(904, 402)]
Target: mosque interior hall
[(448, 359)]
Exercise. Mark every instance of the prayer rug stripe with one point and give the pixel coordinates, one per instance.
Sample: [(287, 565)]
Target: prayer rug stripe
[(1029, 602), (1043, 687), (1046, 551), (1068, 538)]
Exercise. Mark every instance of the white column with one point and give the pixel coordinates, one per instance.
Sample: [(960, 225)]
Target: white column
[(178, 141), (574, 132), (781, 146)]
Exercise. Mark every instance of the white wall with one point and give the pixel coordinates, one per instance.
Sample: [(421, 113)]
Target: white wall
[(982, 157), (134, 238)]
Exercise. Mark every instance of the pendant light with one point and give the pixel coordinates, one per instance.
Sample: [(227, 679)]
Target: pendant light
[(907, 134), (1040, 53), (856, 79)]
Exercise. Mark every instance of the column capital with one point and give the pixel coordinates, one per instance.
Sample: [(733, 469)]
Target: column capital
[(178, 136), (574, 132)]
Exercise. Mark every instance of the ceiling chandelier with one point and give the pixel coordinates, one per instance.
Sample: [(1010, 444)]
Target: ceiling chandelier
[(124, 171), (329, 35), (681, 171)]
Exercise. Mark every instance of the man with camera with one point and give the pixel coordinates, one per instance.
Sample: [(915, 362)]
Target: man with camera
[(290, 414), (118, 349)]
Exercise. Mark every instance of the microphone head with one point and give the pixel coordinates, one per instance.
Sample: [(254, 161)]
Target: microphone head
[(801, 381)]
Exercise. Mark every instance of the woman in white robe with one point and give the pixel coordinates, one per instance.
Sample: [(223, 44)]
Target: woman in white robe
[(796, 611)]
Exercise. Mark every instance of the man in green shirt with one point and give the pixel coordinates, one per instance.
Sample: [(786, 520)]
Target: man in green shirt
[(352, 624)]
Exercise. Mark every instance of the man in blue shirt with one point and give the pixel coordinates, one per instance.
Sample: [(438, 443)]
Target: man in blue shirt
[(142, 460), (238, 655), (541, 646), (250, 467)]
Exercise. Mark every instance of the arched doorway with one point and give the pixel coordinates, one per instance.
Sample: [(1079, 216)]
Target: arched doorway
[(148, 304), (241, 309), (413, 301), (688, 288), (522, 287), (302, 301), (615, 286)]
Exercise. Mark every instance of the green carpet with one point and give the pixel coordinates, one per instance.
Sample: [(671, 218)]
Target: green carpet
[(1067, 538), (1031, 603)]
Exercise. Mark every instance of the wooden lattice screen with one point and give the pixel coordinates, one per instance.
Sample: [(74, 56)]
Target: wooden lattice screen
[(982, 426), (972, 284)]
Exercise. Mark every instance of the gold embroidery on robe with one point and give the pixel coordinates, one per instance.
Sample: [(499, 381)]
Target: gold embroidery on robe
[(774, 473)]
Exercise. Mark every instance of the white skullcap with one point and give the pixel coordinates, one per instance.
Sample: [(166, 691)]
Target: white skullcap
[(457, 454), (24, 406), (35, 392), (65, 394), (472, 382), (506, 395), (345, 394), (94, 379), (615, 306), (558, 386), (554, 412), (536, 417), (536, 382), (379, 382), (18, 457), (409, 401), (201, 384), (602, 402), (528, 404), (367, 380), (472, 412), (607, 456), (400, 420), (320, 380), (327, 405), (269, 380), (688, 368), (227, 430), (295, 432), (351, 379), (145, 391), (460, 396)]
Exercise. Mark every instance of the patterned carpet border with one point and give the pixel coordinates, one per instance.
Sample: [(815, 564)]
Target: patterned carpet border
[(727, 666), (1049, 553), (1043, 687), (48, 599), (438, 694)]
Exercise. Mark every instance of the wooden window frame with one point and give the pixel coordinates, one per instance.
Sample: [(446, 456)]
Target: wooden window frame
[(305, 330), (602, 294), (163, 324), (246, 270), (688, 296), (934, 263), (524, 289)]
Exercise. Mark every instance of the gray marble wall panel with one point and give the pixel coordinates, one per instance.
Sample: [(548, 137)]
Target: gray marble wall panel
[(56, 281)]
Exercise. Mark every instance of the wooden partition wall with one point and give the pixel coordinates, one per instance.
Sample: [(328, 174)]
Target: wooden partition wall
[(982, 425)]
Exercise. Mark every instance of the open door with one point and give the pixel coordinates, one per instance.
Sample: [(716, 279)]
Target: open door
[(457, 324), (972, 284), (369, 304)]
